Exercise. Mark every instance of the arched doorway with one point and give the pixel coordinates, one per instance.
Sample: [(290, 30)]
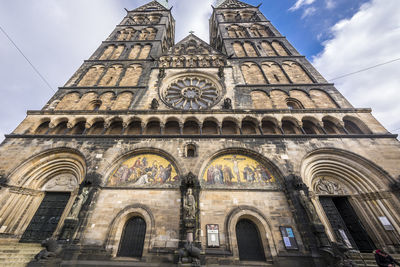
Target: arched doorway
[(132, 240), (249, 241), (345, 223), (46, 218)]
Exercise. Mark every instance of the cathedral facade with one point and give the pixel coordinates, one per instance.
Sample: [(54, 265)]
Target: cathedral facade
[(237, 147)]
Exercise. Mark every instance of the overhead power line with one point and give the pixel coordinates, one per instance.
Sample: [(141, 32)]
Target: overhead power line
[(362, 70), (26, 58)]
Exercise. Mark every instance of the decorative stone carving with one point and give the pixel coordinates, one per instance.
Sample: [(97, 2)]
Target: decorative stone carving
[(79, 201), (309, 207), (52, 250), (154, 104), (233, 4), (227, 104), (189, 205), (327, 187), (191, 93), (61, 183), (192, 52)]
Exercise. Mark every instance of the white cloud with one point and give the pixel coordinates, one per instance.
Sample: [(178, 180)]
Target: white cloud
[(57, 36), (370, 37), (308, 12), (330, 4), (301, 3)]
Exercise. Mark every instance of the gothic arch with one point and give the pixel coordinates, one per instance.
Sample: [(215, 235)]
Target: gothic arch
[(262, 223), (117, 225)]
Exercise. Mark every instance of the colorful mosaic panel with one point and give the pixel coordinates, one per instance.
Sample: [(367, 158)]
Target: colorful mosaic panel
[(144, 170)]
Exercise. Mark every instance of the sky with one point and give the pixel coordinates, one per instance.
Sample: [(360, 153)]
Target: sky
[(337, 36)]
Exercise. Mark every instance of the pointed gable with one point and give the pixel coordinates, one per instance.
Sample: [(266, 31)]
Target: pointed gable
[(151, 6), (233, 4), (192, 45), (192, 52)]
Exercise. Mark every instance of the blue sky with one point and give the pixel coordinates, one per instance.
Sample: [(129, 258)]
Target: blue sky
[(337, 36)]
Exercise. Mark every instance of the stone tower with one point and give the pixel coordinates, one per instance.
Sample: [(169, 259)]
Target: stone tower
[(238, 148)]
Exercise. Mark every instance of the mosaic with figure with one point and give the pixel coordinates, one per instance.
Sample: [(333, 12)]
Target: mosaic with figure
[(236, 170), (144, 170)]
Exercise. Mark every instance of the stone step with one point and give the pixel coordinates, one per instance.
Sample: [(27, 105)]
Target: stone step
[(83, 263)]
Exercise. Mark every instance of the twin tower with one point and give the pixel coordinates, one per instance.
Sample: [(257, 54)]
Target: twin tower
[(239, 148)]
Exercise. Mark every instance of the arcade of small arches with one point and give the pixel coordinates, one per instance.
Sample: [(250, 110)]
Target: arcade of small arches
[(121, 52), (254, 31), (294, 99), (93, 101), (112, 75), (132, 34), (240, 16), (139, 19), (272, 72), (246, 125), (259, 49)]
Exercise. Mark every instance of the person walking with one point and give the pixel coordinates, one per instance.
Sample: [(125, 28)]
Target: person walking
[(384, 260)]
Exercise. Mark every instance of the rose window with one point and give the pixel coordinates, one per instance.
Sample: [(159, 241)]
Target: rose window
[(191, 93)]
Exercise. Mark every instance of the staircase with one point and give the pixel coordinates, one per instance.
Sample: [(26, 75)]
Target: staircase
[(368, 259), (14, 254)]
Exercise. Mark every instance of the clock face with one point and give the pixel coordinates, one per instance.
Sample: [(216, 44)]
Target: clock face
[(191, 93)]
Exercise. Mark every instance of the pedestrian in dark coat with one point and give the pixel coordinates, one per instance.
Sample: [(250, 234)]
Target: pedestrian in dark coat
[(384, 260)]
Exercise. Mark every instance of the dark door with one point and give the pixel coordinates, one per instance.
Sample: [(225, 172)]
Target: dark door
[(46, 218), (343, 218), (354, 225), (249, 241), (132, 240)]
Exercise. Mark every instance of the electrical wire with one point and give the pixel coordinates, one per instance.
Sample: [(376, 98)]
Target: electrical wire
[(26, 58), (362, 70)]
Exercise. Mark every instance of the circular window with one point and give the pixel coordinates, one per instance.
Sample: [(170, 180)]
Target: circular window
[(191, 93)]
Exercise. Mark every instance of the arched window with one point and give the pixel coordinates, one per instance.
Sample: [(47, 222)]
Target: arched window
[(294, 104), (268, 127), (97, 128), (132, 240), (79, 128), (330, 127), (191, 127), (210, 127), (229, 127), (43, 128), (94, 105), (172, 128), (352, 128), (134, 128), (249, 127), (61, 128), (190, 151), (289, 127), (310, 128), (153, 128), (115, 128)]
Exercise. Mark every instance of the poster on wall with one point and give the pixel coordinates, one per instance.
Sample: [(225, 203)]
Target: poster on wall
[(212, 235), (289, 240), (144, 170), (231, 170)]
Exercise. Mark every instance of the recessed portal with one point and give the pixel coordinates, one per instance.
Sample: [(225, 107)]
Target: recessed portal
[(346, 224), (132, 240), (249, 241)]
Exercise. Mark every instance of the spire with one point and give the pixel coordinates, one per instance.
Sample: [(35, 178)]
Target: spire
[(161, 5), (231, 4)]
